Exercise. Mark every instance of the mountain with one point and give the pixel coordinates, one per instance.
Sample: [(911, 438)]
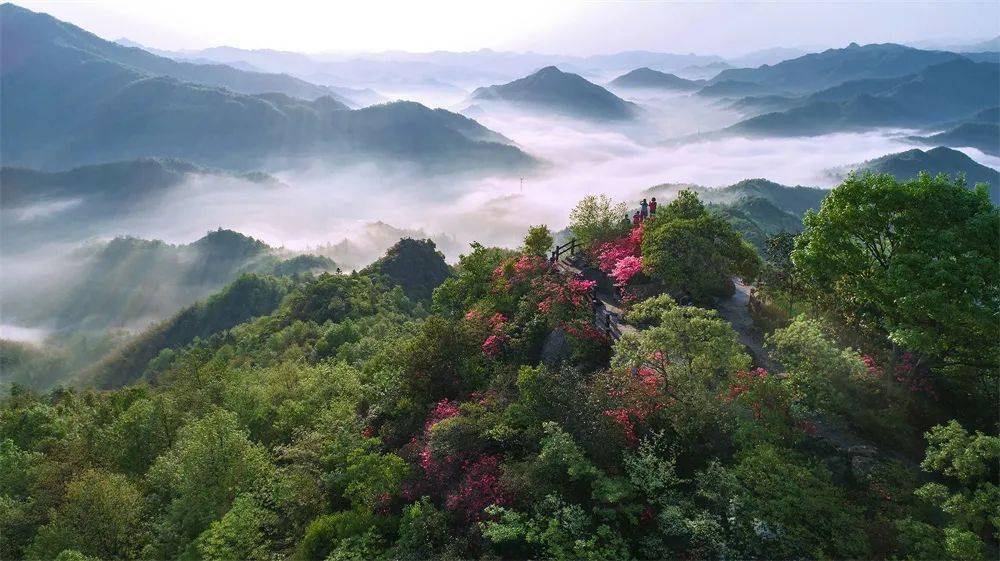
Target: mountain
[(793, 200), (646, 78), (98, 110), (773, 55), (114, 184), (31, 36), (907, 165), (980, 131), (703, 71), (937, 93), (816, 71), (415, 265), (464, 68), (39, 208), (551, 89), (247, 297), (757, 218), (982, 136), (734, 88), (129, 282)]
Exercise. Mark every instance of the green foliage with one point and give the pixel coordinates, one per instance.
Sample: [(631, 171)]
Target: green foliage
[(211, 463), (326, 533), (538, 241), (247, 297), (817, 370), (693, 252), (423, 531), (241, 534), (794, 510), (968, 506), (915, 261), (344, 422), (556, 530), (692, 350), (472, 279), (595, 219), (103, 515)]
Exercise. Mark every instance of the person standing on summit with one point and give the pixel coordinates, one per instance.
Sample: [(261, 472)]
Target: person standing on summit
[(644, 209), (652, 206)]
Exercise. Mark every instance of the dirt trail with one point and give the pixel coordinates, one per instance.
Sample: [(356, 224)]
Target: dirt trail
[(736, 311)]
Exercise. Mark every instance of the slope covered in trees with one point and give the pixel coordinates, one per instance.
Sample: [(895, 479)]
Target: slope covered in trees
[(104, 102), (128, 282), (496, 419)]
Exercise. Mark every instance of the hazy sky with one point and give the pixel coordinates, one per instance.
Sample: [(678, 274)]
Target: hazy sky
[(726, 28)]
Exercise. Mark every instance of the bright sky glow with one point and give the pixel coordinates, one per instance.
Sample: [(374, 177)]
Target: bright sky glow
[(557, 27)]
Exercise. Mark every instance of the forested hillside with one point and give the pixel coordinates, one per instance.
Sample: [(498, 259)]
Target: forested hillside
[(415, 410)]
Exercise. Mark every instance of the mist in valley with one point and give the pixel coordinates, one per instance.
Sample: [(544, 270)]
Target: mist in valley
[(352, 214)]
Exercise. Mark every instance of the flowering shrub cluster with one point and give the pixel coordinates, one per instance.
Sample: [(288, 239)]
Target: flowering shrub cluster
[(442, 410), (466, 483), (480, 488), (633, 398), (904, 373), (622, 259)]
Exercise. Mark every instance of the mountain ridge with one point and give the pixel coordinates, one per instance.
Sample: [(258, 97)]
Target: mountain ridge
[(562, 92)]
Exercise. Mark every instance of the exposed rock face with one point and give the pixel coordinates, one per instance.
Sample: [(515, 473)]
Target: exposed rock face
[(416, 266), (556, 349)]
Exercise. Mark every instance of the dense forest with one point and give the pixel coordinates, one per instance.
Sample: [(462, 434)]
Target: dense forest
[(417, 410)]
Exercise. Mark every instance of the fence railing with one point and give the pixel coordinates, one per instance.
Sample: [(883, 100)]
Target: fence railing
[(568, 247)]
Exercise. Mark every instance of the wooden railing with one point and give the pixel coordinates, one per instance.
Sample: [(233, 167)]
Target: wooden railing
[(570, 246)]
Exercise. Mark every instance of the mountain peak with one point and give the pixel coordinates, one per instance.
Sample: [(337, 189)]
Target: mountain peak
[(549, 71), (553, 90), (648, 78)]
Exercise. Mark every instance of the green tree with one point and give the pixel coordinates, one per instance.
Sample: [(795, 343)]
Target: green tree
[(596, 219), (242, 534), (694, 352), (212, 462), (817, 371), (694, 252), (916, 261), (103, 515), (969, 505), (538, 241)]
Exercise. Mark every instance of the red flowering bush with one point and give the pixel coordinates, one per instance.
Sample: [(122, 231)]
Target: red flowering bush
[(904, 374), (442, 410), (493, 344), (479, 488), (625, 269), (464, 481), (632, 397), (622, 258)]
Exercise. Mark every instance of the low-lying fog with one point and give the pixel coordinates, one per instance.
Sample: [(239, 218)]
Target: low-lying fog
[(373, 205)]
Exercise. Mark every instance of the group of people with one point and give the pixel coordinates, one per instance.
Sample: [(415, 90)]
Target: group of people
[(646, 209)]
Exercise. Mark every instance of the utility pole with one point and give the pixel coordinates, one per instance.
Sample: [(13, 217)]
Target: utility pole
[(522, 184)]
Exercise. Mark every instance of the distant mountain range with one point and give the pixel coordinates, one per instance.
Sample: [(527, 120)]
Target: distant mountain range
[(466, 69), (757, 208), (980, 131), (937, 93), (39, 207), (817, 71), (907, 165), (129, 282), (647, 78), (101, 105), (555, 91), (112, 185), (734, 89)]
